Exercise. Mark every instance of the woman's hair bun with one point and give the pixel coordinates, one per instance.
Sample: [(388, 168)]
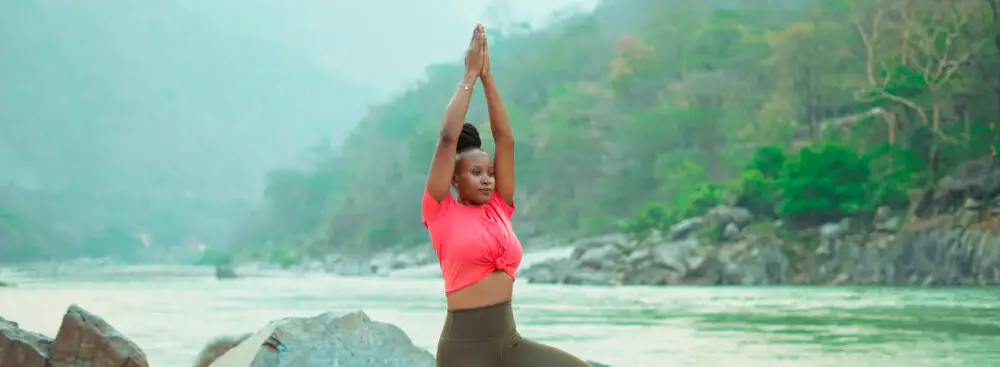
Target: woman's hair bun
[(469, 139)]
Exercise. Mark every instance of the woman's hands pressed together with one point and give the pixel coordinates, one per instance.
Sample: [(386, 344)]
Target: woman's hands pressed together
[(485, 71), (476, 57)]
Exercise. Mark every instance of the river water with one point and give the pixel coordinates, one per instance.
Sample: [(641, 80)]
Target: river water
[(172, 318)]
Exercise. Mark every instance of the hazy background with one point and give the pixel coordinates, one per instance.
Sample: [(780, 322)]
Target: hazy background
[(290, 132), (161, 119), (202, 97)]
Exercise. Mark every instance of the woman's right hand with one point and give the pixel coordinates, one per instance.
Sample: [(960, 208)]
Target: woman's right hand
[(476, 56)]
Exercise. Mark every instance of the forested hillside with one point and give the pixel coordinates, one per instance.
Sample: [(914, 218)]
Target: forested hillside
[(808, 111)]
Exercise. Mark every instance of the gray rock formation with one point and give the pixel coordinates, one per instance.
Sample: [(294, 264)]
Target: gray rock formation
[(329, 339), (656, 261), (379, 264), (927, 257), (949, 238)]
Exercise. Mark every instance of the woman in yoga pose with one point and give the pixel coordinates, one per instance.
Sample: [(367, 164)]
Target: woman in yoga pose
[(477, 248)]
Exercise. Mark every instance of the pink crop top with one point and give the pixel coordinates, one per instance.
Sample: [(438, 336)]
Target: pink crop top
[(471, 241)]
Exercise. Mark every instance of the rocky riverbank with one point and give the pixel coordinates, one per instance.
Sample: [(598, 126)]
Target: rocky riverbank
[(378, 264), (328, 339), (948, 237)]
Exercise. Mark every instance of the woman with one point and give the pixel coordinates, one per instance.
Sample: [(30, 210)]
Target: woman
[(478, 250)]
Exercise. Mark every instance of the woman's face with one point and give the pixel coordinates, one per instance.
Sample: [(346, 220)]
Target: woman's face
[(473, 177)]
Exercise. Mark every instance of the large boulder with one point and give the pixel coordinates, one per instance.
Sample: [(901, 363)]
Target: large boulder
[(328, 339), (22, 348), (83, 340)]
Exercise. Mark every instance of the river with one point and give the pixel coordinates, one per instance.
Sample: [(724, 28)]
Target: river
[(172, 318)]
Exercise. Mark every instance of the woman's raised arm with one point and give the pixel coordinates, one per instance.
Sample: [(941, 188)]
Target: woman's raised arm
[(503, 160), (443, 163)]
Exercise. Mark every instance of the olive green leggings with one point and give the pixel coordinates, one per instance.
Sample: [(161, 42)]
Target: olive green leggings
[(487, 337)]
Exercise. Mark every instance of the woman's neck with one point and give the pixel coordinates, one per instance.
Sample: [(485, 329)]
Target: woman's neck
[(467, 203)]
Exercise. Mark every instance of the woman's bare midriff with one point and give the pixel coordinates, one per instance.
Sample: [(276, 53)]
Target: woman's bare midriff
[(495, 288)]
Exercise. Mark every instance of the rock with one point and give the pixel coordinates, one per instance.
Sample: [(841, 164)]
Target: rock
[(889, 225), (966, 218), (972, 204), (328, 339), (217, 348), (929, 281), (949, 256), (845, 223), (541, 274), (604, 257), (731, 232), (550, 271), (753, 263), (225, 272), (943, 255), (840, 279), (381, 263), (725, 215), (884, 221), (882, 213), (685, 228), (22, 348), (351, 267), (980, 178), (831, 231), (658, 263), (977, 179), (594, 261), (85, 339), (585, 244)]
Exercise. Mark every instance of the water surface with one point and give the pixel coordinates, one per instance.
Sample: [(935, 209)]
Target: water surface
[(172, 318)]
